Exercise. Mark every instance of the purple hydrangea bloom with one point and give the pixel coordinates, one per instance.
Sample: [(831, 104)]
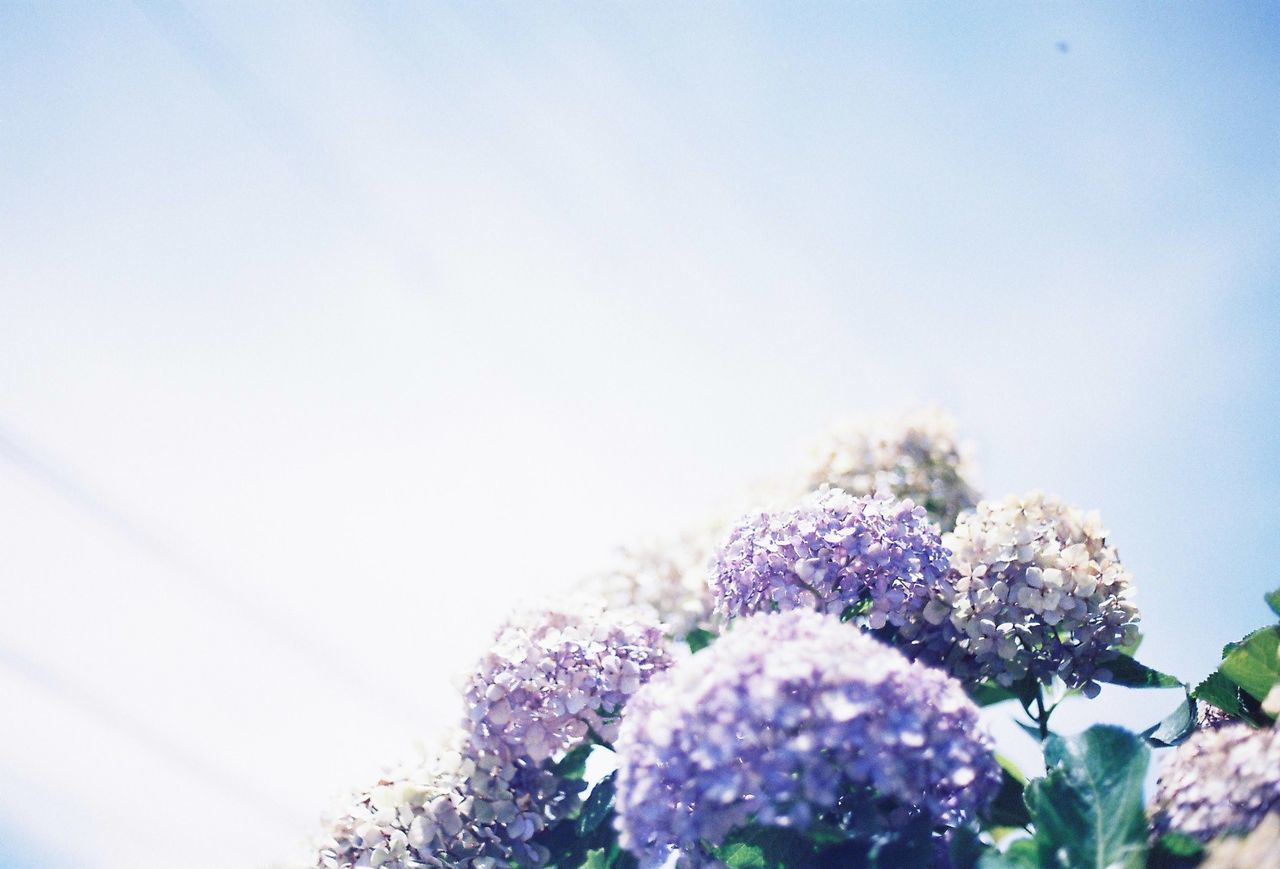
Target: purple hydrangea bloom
[(829, 552), (553, 676), (778, 717), (1219, 781), (1035, 588)]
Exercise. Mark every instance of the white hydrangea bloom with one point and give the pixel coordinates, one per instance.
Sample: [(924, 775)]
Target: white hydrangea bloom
[(668, 577), (1035, 587), (451, 810), (915, 455), (1258, 850)]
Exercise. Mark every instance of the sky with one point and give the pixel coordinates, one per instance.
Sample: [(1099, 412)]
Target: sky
[(328, 332)]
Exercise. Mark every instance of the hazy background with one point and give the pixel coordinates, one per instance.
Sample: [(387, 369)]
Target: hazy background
[(326, 330)]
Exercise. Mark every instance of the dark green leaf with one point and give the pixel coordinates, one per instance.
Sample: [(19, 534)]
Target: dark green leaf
[(597, 805), (1273, 601), (758, 847), (989, 693), (1088, 808), (1254, 664), (699, 638), (1175, 851), (909, 847), (574, 763), (1175, 727), (1132, 674), (859, 608), (1219, 691), (1031, 730), (1008, 808), (612, 857), (966, 848), (1022, 854)]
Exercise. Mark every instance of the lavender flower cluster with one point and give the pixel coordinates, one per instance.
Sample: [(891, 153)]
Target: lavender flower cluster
[(915, 456), (551, 678), (1036, 588), (1220, 781), (772, 721), (830, 552)]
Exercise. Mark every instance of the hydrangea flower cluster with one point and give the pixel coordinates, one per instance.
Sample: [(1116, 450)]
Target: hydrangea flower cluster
[(775, 718), (668, 577), (914, 456), (453, 810), (1219, 781), (1257, 850), (1034, 588), (830, 552), (551, 679)]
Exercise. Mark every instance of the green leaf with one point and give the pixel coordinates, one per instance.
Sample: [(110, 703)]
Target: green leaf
[(612, 857), (1008, 808), (699, 638), (759, 847), (1175, 727), (1254, 664), (908, 847), (1088, 808), (574, 763), (1021, 854), (1126, 671), (1273, 601), (1175, 850), (966, 848), (1217, 690), (989, 693), (597, 805)]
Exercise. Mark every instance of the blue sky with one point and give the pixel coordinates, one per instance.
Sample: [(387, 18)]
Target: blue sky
[(327, 331)]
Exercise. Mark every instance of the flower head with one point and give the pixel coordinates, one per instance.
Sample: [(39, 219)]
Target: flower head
[(553, 676), (1035, 588), (667, 577), (453, 810), (1256, 850), (780, 717), (1219, 781), (830, 552), (915, 455)]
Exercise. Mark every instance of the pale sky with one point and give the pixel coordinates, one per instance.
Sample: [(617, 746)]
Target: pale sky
[(329, 331)]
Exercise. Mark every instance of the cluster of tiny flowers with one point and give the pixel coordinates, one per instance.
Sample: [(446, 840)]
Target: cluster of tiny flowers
[(914, 456), (1034, 588), (1219, 781), (776, 719), (667, 577), (1258, 850), (830, 552), (452, 811), (553, 677)]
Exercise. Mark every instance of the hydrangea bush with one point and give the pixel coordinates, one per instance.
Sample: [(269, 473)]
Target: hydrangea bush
[(806, 689)]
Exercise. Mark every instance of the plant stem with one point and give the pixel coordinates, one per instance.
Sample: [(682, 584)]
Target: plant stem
[(1042, 717)]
